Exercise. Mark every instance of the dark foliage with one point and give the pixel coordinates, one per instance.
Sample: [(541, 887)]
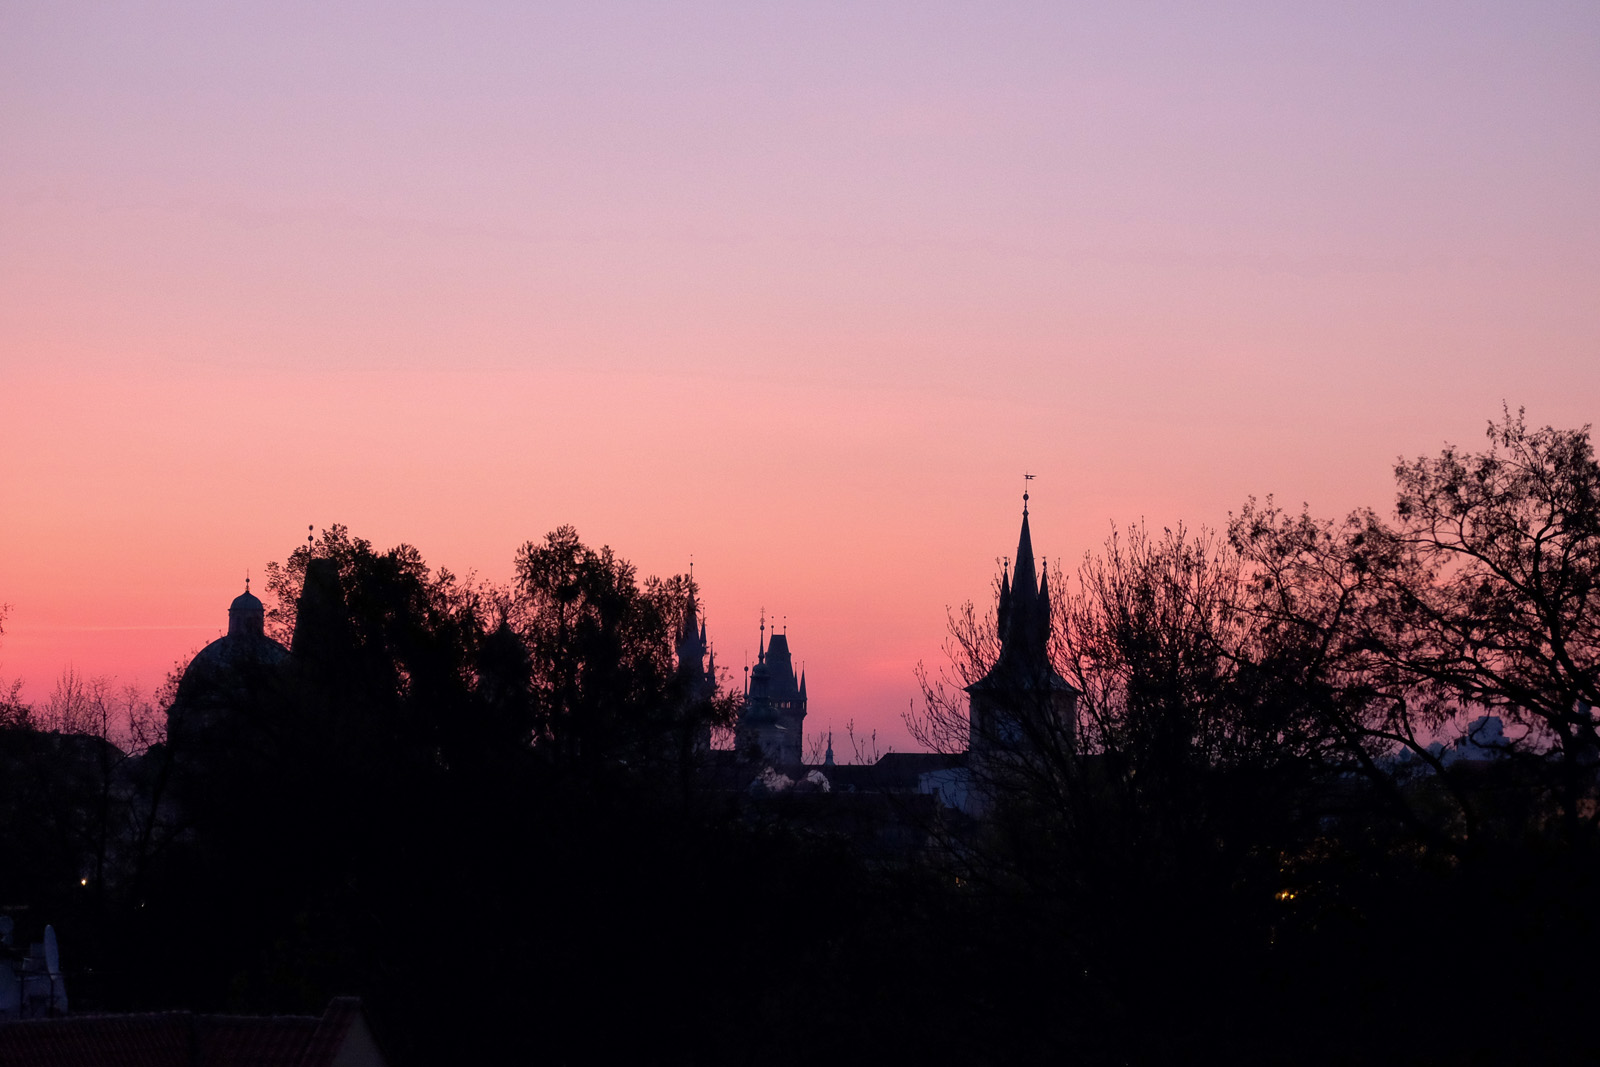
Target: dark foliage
[(483, 810)]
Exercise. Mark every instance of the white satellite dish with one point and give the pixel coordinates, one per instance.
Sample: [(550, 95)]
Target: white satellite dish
[(52, 951)]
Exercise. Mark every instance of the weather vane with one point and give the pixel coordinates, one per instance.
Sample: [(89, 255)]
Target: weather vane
[(1026, 478)]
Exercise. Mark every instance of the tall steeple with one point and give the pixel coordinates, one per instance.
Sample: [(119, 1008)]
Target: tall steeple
[(697, 670), (691, 631), (1021, 684)]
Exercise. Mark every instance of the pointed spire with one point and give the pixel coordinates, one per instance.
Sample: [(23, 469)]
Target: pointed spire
[(688, 629), (1043, 607), (1023, 582), (1024, 609), (1003, 612)]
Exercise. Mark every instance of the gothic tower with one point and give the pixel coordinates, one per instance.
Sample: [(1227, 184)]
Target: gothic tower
[(1021, 700), (697, 670), (771, 721)]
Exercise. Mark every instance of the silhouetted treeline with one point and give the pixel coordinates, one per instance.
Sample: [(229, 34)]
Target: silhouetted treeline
[(1333, 791), (1330, 796)]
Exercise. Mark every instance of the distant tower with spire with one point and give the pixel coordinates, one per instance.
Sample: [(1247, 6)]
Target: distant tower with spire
[(697, 667), (772, 717), (1021, 700)]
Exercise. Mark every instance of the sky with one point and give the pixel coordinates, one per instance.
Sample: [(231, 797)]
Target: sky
[(797, 290)]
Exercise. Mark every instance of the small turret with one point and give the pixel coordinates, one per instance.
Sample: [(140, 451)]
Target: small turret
[(246, 615), (1003, 612)]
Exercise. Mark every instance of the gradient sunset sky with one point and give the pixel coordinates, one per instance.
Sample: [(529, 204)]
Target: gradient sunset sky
[(800, 289)]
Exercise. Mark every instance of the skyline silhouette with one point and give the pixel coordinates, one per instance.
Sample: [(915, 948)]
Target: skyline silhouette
[(796, 292)]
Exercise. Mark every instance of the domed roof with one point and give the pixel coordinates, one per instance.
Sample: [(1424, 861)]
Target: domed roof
[(236, 658), (230, 652), (225, 665), (247, 601)]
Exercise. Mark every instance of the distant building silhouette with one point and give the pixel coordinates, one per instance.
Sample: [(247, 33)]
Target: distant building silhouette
[(1021, 697), (771, 722), (224, 672), (697, 669)]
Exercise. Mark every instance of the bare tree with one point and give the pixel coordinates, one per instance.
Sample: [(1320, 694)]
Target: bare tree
[(816, 746), (1482, 595), (13, 712)]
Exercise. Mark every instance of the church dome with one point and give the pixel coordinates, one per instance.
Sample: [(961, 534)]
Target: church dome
[(236, 659), (246, 601)]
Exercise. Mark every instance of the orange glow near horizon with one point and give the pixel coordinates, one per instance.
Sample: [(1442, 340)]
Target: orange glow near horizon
[(800, 293)]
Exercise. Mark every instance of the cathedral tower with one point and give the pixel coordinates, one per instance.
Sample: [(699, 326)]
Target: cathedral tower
[(772, 719)]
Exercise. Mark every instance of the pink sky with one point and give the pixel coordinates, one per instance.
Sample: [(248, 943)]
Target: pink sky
[(798, 289)]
